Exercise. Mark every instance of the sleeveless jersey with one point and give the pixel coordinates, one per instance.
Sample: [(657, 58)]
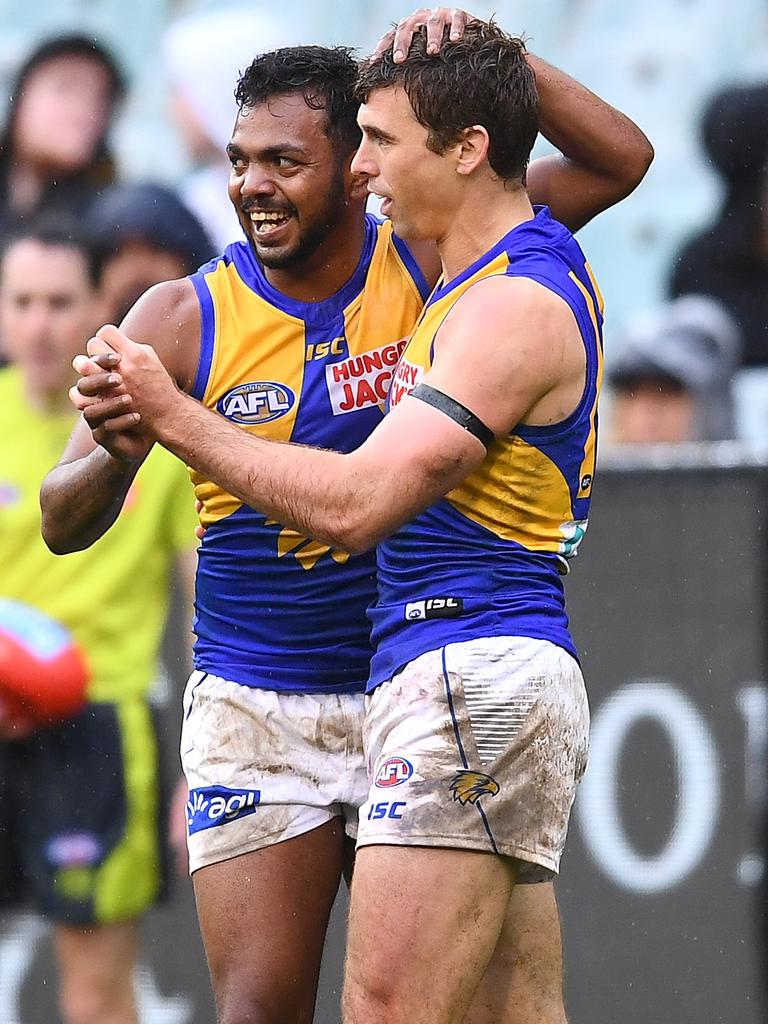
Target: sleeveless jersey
[(487, 559), (275, 609)]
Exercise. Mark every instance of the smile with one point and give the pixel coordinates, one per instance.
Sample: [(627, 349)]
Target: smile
[(268, 222)]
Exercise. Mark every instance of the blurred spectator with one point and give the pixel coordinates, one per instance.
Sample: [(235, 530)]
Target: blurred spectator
[(729, 260), (143, 234), (79, 803), (672, 381), (53, 153), (204, 53)]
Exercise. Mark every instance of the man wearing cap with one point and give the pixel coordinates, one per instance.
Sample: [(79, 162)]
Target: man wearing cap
[(672, 381)]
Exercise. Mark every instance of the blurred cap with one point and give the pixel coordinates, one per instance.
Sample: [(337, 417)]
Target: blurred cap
[(148, 213), (692, 341)]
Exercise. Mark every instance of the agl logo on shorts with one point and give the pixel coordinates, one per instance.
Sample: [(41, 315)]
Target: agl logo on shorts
[(394, 772), (258, 402), (209, 806)]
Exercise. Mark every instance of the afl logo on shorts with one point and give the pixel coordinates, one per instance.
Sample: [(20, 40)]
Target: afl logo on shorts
[(394, 772), (259, 402)]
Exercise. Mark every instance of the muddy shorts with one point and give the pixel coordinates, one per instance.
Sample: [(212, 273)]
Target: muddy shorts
[(478, 746), (263, 766)]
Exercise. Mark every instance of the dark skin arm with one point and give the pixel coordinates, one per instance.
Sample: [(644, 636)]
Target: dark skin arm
[(82, 496), (603, 154)]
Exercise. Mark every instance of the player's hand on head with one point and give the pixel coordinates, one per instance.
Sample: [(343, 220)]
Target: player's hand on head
[(436, 19)]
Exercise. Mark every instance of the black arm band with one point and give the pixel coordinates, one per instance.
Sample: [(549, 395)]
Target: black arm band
[(458, 413)]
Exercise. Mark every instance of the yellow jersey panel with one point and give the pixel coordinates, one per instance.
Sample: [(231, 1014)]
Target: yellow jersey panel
[(276, 609), (493, 549)]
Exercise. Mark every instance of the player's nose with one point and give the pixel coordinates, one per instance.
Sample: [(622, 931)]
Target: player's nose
[(257, 182), (363, 162)]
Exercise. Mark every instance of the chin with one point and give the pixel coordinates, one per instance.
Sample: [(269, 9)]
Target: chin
[(277, 259), (409, 231)]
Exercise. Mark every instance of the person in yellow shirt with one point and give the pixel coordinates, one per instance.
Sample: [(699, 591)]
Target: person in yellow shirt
[(79, 807)]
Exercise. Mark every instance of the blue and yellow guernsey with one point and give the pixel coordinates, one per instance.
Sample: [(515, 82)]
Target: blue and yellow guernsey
[(275, 609), (487, 559)]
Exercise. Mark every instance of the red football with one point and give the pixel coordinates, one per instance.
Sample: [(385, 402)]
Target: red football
[(43, 675)]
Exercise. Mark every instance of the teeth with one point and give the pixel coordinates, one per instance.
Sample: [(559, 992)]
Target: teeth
[(262, 217)]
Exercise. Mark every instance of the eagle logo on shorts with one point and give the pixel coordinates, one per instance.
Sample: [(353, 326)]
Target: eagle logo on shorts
[(467, 786)]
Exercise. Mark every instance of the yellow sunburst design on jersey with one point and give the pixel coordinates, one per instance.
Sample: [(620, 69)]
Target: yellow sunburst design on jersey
[(306, 552), (467, 786)]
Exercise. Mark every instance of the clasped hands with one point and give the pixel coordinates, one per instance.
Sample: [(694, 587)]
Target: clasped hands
[(124, 393)]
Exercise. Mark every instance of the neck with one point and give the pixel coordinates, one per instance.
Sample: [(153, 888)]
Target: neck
[(482, 218), (329, 267), (26, 184)]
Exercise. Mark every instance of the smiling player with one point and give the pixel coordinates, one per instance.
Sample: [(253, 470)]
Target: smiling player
[(294, 336)]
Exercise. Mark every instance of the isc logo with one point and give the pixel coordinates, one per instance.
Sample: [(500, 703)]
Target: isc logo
[(386, 810), (394, 772), (434, 608), (257, 402)]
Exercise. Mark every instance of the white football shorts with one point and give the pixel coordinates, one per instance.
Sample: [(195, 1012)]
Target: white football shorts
[(478, 746), (263, 766)]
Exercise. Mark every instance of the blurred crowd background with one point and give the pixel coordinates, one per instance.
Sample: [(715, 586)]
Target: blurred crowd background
[(115, 123), (154, 106)]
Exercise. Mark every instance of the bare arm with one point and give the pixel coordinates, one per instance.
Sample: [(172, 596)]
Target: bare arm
[(414, 456), (82, 496), (603, 154)]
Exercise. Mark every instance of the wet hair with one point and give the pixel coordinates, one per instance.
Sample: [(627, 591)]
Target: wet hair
[(57, 232), (481, 79), (325, 76)]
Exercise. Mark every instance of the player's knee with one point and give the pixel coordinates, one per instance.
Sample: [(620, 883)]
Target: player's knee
[(373, 1001), (257, 1012), (240, 1004)]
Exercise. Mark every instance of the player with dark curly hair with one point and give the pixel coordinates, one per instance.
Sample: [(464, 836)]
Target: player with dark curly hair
[(294, 336)]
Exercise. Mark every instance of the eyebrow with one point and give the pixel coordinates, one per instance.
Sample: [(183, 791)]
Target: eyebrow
[(287, 149), (376, 133)]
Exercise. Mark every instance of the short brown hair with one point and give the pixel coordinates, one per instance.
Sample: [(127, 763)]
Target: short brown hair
[(482, 78)]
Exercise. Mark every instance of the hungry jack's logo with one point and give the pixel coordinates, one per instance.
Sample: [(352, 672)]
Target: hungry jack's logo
[(363, 381)]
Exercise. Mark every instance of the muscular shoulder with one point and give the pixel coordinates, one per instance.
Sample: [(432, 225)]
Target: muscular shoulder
[(167, 317), (505, 344), (518, 309)]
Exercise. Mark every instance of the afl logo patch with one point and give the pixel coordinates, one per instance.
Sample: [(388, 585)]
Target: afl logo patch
[(394, 772), (258, 402)]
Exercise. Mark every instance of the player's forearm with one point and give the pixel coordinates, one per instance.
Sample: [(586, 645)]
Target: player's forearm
[(590, 132), (310, 490), (81, 499)]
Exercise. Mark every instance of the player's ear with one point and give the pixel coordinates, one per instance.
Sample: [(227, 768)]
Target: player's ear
[(472, 149)]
